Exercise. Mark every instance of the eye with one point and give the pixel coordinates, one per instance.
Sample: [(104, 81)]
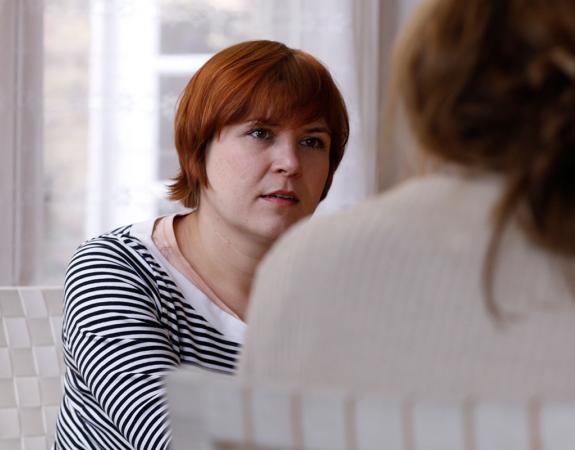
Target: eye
[(260, 133), (313, 142)]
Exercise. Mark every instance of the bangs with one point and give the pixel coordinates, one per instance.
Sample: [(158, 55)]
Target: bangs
[(294, 98), (291, 92)]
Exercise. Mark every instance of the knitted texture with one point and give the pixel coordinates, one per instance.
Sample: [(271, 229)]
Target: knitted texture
[(389, 296)]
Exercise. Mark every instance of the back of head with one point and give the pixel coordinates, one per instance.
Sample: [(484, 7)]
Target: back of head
[(490, 85)]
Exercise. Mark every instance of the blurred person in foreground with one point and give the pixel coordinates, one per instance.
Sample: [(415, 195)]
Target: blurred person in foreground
[(458, 282), (259, 130)]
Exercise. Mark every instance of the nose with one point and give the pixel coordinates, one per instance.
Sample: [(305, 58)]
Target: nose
[(286, 158)]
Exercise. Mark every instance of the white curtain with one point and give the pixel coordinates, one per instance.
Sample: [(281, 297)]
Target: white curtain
[(123, 113), (20, 140)]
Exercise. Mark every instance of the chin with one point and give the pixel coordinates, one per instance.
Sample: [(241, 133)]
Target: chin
[(275, 231)]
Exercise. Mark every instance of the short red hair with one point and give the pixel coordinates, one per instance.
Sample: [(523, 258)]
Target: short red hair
[(256, 79)]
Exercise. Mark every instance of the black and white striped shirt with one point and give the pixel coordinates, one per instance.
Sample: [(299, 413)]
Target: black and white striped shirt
[(129, 317)]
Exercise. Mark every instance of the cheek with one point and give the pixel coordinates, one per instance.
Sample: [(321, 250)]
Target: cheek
[(230, 176), (246, 169), (219, 168), (319, 174), (235, 160)]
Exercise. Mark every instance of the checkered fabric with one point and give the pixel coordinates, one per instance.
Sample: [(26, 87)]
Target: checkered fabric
[(31, 366)]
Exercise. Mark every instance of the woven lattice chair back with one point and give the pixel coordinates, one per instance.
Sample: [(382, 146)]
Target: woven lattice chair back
[(31, 366), (209, 413)]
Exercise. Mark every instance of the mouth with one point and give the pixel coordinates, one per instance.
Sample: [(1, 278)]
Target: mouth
[(282, 197)]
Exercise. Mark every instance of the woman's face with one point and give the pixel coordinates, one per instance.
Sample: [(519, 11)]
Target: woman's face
[(264, 177)]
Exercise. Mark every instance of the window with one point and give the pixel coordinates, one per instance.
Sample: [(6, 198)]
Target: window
[(88, 92), (113, 74)]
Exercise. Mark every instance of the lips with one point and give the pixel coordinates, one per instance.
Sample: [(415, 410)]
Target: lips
[(282, 196)]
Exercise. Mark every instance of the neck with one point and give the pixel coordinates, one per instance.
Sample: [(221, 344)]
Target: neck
[(226, 259)]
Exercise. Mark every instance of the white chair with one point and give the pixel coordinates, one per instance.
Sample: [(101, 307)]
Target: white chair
[(212, 412), (31, 366)]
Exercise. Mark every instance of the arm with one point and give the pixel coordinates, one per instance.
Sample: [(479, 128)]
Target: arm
[(114, 335)]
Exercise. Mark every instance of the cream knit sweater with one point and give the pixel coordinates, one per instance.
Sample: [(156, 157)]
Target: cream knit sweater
[(388, 296)]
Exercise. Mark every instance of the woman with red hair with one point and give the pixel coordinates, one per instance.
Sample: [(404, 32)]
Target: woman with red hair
[(260, 130)]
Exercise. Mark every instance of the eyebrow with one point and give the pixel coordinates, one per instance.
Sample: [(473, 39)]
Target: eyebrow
[(317, 130), (266, 123)]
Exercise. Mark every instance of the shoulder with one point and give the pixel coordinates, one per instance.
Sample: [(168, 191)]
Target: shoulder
[(114, 261), (120, 246), (113, 280), (372, 216), (422, 215)]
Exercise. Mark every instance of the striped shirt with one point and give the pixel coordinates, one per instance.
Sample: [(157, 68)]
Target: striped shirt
[(129, 317)]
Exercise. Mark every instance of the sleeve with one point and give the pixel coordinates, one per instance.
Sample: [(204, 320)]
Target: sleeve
[(114, 334)]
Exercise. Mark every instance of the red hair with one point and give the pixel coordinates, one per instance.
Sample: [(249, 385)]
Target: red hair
[(262, 80)]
